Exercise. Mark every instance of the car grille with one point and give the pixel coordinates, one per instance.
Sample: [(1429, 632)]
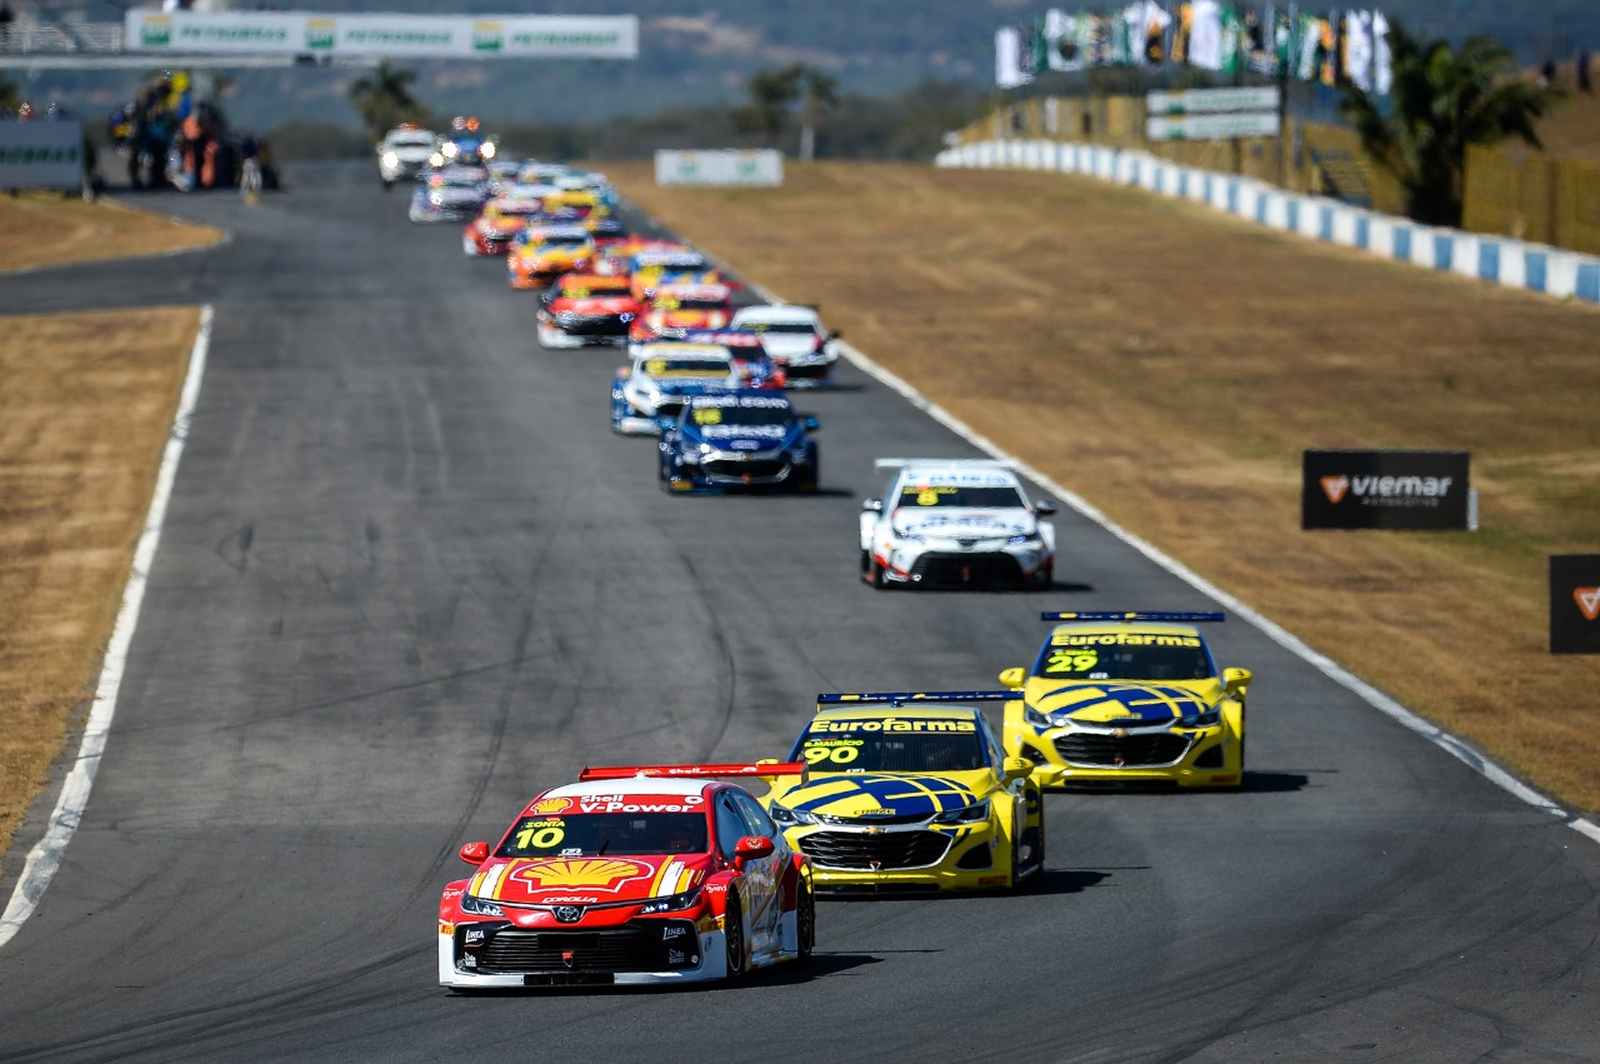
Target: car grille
[(599, 325), (963, 569), (910, 818), (859, 850), (760, 469), (634, 948), (1121, 751), (669, 408), (815, 371)]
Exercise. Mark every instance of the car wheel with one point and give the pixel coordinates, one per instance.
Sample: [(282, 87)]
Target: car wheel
[(1045, 578), (805, 919), (1034, 837), (866, 563), (733, 938)]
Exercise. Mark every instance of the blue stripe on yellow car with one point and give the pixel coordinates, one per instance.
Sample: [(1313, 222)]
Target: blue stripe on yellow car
[(904, 795), (1102, 702)]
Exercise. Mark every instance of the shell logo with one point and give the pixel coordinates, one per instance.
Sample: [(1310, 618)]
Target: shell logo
[(592, 873), (552, 805)]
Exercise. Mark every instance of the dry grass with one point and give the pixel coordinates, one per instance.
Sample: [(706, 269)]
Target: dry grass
[(85, 410), (1171, 363), (48, 230)]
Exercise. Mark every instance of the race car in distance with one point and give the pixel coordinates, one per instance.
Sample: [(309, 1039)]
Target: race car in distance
[(582, 309), (744, 440), (654, 874), (464, 145), (454, 194), (652, 268), (955, 522), (675, 307), (502, 175), (541, 253), (794, 337), (402, 153), (607, 232), (582, 203), (502, 219), (648, 394), (1128, 697), (756, 368), (908, 791)]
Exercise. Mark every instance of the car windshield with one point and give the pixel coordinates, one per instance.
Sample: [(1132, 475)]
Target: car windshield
[(916, 495), (563, 241), (411, 140), (877, 745), (1124, 656), (709, 417), (593, 834), (674, 303), (685, 367), (778, 327)]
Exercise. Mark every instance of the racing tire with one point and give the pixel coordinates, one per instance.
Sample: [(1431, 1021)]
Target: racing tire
[(1045, 578), (733, 938), (805, 923), (1035, 838)]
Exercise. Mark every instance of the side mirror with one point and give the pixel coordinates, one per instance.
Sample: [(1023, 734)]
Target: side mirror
[(1016, 768), (1013, 677), (872, 506), (1237, 679), (1044, 508), (474, 853), (811, 424), (752, 848)]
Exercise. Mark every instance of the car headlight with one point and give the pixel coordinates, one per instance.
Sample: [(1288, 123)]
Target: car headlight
[(469, 904), (450, 151), (487, 151), (1209, 719), (971, 814), (705, 448), (782, 814), (1037, 719), (671, 902), (1025, 540), (390, 158)]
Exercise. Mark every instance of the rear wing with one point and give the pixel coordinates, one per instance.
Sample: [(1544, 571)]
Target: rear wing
[(959, 463), (898, 698), (746, 769), (1131, 616)]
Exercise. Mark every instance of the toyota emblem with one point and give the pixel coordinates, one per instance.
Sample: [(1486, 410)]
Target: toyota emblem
[(569, 914)]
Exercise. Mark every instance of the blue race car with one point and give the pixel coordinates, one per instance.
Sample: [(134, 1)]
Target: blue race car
[(744, 439)]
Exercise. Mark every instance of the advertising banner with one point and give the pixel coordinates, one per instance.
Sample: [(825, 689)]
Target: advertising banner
[(41, 154), (1400, 490), (1212, 127), (761, 168), (436, 36), (1212, 101), (1575, 604)]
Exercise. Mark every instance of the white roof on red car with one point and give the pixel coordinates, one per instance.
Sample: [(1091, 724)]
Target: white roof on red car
[(695, 291), (631, 785)]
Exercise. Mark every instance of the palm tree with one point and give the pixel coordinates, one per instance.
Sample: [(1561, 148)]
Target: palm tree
[(1444, 100), (772, 93), (384, 98), (820, 96)]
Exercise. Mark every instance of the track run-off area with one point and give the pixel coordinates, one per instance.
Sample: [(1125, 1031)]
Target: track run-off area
[(408, 577)]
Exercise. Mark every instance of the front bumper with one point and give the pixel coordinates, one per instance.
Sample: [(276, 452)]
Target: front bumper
[(806, 372), (910, 859), (508, 956), (597, 331), (1100, 757), (739, 470), (943, 563)]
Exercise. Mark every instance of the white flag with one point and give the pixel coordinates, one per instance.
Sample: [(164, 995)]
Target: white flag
[(1382, 59), (1008, 58)]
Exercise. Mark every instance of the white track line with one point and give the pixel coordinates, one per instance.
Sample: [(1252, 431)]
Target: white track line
[(1456, 747), (45, 858)]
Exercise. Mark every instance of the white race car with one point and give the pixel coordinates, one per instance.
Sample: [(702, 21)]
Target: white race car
[(794, 338), (947, 522), (403, 153), (661, 377)]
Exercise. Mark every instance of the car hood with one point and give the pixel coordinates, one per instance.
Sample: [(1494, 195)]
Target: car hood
[(744, 437), (868, 796), (963, 523), (410, 154), (1121, 703), (586, 880), (595, 305), (788, 345)]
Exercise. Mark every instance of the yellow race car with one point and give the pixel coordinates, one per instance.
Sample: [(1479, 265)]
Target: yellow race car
[(908, 792), (1120, 698)]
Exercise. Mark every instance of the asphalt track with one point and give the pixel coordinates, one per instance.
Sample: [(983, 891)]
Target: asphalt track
[(408, 577)]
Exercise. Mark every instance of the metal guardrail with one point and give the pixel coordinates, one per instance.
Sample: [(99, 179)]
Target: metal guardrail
[(62, 38)]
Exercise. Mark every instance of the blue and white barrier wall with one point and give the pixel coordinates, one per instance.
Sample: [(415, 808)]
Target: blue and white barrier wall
[(1498, 260)]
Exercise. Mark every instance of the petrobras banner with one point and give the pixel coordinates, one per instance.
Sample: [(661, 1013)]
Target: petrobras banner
[(1212, 101), (1211, 127), (437, 36), (41, 154), (764, 168)]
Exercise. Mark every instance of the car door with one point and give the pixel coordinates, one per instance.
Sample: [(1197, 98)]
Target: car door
[(765, 875)]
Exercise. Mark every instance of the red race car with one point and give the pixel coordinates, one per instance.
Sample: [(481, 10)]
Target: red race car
[(502, 219), (675, 307), (581, 309), (649, 874)]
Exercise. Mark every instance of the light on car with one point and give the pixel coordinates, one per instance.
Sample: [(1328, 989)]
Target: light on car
[(970, 814), (1034, 717), (487, 150), (390, 159), (469, 904), (671, 902), (782, 814)]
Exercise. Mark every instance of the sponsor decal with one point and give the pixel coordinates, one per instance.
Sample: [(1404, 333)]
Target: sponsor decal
[(569, 914), (472, 937), (488, 36), (893, 724), (641, 803), (596, 873), (548, 806), (1121, 639), (562, 899), (155, 31), (1335, 487)]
